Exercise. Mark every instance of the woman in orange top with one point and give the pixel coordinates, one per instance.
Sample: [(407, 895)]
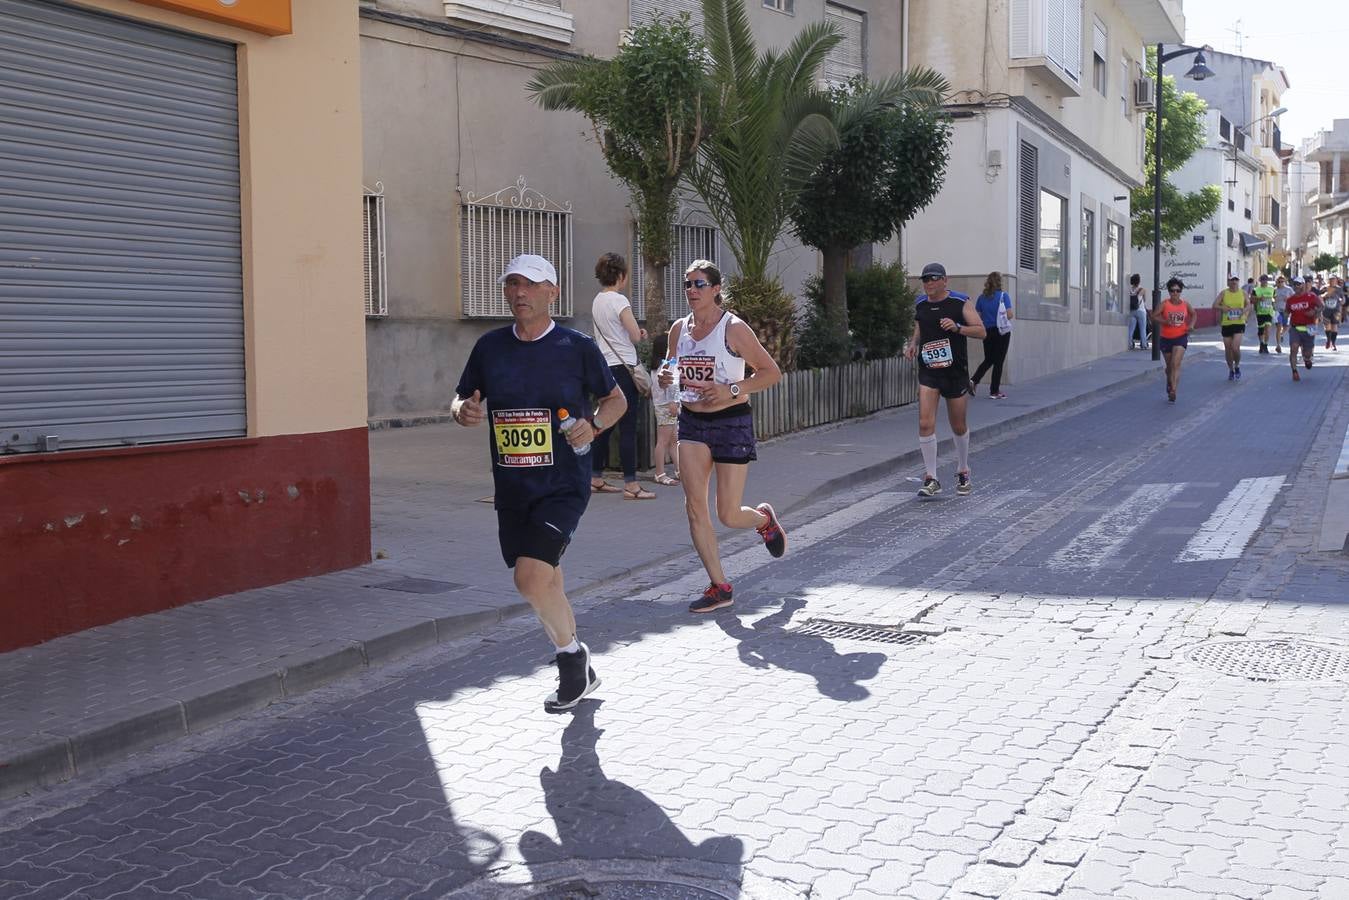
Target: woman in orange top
[(1174, 317)]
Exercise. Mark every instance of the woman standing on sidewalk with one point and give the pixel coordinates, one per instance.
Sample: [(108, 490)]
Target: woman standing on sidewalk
[(1175, 317), (992, 301), (716, 429), (1138, 312), (617, 333)]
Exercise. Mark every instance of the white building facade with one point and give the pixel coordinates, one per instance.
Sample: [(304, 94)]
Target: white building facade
[(1225, 244), (1048, 142)]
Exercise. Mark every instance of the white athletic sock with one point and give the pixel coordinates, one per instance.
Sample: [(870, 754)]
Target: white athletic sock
[(572, 647), (963, 452), (929, 447)]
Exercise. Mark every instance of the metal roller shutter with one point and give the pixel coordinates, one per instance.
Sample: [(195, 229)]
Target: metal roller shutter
[(121, 290)]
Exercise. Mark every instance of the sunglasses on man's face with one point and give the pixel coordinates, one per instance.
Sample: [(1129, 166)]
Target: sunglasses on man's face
[(698, 283), (927, 278)]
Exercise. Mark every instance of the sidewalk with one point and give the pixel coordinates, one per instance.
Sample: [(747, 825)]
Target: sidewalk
[(76, 703)]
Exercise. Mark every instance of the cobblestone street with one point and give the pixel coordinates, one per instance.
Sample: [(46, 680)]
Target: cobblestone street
[(1026, 715)]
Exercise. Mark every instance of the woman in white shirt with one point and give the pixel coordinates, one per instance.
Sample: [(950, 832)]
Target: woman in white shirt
[(616, 334)]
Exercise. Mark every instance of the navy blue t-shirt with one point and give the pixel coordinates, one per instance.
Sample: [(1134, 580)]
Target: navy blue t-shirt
[(524, 384)]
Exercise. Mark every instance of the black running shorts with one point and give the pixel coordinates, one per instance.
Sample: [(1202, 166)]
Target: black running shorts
[(541, 531), (952, 382)]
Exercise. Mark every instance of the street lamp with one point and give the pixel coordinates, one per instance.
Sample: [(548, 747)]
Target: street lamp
[(1199, 71)]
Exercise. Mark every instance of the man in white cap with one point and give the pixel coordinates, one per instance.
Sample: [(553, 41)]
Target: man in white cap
[(942, 321), (534, 380)]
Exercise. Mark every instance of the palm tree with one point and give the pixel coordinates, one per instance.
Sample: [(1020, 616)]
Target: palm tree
[(776, 127), (649, 108)]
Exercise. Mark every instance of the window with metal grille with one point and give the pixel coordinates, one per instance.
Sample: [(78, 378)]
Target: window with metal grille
[(1099, 44), (1086, 251), (848, 58), (1114, 267), (1028, 189), (642, 11), (498, 227), (1053, 271), (376, 273), (1051, 29), (689, 242)]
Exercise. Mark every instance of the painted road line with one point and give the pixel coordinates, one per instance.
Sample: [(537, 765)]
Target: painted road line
[(1235, 521), (1342, 466), (1103, 539)]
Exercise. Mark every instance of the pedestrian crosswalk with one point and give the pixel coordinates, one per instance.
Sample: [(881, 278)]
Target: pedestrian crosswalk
[(1224, 535), (1103, 538)]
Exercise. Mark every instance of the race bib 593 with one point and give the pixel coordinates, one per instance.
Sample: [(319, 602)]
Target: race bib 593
[(524, 437), (937, 354)]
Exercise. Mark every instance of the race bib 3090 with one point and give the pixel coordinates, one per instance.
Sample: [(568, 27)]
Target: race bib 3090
[(524, 437)]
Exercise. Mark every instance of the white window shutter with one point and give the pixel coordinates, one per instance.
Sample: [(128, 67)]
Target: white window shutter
[(1072, 38), (1021, 29), (642, 11), (847, 59), (1056, 50)]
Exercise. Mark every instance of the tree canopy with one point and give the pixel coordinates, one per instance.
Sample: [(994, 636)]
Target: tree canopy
[(1183, 134), (651, 108)]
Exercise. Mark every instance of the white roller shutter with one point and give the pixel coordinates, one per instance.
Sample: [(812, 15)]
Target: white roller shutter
[(848, 58), (121, 307), (642, 11)]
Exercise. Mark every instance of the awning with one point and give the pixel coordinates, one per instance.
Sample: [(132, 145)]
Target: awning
[(1250, 243)]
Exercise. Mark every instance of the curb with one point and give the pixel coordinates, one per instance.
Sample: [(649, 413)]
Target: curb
[(51, 759), (906, 459)]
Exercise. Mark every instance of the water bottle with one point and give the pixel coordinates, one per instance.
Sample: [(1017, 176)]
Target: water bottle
[(565, 425)]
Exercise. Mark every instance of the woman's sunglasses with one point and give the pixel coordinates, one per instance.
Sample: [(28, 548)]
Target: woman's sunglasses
[(696, 283)]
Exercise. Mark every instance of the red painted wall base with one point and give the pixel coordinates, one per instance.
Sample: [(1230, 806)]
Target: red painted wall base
[(92, 536)]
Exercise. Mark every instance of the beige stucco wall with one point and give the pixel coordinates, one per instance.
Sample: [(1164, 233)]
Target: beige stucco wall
[(300, 151), (442, 112)]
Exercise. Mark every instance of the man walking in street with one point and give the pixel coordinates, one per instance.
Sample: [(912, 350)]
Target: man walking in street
[(1303, 309), (1264, 311), (1232, 306), (942, 322), (534, 380), (1281, 294)]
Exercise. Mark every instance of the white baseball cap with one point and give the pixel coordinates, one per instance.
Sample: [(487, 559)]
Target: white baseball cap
[(535, 268)]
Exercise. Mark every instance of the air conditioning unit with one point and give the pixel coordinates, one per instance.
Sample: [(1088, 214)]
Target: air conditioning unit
[(1145, 93)]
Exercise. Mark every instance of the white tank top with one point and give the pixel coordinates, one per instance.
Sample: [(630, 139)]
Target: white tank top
[(708, 361)]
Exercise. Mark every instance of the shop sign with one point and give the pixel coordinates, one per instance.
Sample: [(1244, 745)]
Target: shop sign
[(266, 16)]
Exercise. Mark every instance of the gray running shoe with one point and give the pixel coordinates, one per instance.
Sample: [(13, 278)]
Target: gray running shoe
[(963, 486), (931, 487)]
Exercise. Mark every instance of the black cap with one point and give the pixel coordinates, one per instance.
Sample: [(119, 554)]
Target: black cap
[(934, 269)]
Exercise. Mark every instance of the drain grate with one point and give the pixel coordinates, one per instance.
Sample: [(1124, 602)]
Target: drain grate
[(627, 890), (419, 586), (1285, 660), (856, 632)]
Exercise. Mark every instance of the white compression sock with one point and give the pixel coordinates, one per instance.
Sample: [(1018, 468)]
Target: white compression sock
[(572, 647), (928, 445), (963, 452)]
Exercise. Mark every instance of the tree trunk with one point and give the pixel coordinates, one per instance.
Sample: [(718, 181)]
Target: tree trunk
[(836, 296), (656, 320)]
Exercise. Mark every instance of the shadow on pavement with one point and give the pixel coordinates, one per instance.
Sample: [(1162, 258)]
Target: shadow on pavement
[(768, 643), (600, 818)]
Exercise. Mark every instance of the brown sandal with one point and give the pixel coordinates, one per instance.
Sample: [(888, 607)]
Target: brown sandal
[(604, 487), (640, 494)]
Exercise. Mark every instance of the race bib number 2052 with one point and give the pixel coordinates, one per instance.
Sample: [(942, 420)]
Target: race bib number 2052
[(524, 437)]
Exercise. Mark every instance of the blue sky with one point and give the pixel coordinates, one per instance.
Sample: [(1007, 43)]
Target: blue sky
[(1309, 38)]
